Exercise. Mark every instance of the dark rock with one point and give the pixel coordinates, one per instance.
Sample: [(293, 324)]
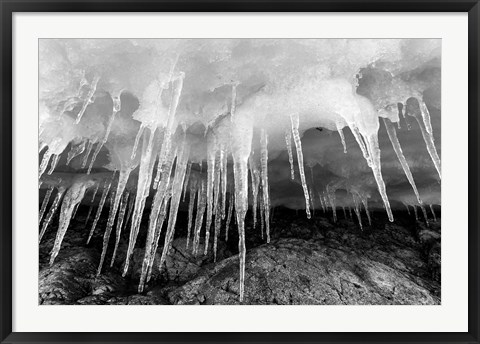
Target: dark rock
[(295, 271)]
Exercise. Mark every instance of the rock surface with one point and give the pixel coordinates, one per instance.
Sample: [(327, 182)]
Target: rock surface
[(307, 262)]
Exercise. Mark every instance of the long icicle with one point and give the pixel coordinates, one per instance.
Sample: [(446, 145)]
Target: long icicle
[(104, 140), (177, 185), (216, 206), (229, 215), (264, 174), (88, 100), (201, 204), (121, 216), (52, 211), (100, 208), (224, 181), (87, 153), (374, 153), (392, 135), (162, 195), (122, 183), (342, 137), (429, 142), (73, 197), (298, 145), (255, 179), (211, 162), (191, 204), (44, 204), (288, 141), (145, 172)]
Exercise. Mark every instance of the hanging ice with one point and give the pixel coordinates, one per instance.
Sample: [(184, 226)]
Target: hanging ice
[(392, 135), (298, 145), (52, 211), (106, 189), (264, 175), (427, 136), (73, 197), (44, 204), (121, 215), (288, 141)]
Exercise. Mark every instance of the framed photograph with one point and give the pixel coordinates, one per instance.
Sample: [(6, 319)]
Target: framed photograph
[(239, 172)]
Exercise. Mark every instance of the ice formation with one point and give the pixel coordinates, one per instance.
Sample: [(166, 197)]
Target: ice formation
[(202, 125)]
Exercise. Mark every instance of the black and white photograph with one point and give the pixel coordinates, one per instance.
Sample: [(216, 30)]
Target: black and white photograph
[(239, 171)]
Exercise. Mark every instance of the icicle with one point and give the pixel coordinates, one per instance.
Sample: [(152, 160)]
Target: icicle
[(331, 199), (56, 158), (87, 153), (162, 216), (255, 179), (97, 185), (262, 217), (218, 223), (429, 142), (122, 183), (51, 212), (425, 116), (433, 213), (298, 145), (191, 204), (425, 216), (121, 216), (143, 189), (88, 215), (201, 204), (224, 181), (216, 199), (342, 137), (358, 137), (44, 204), (187, 178), (211, 158), (100, 208), (177, 184), (167, 137), (88, 100), (374, 153), (344, 212), (73, 197), (75, 209), (408, 209), (75, 151), (229, 216), (392, 134), (137, 139), (415, 211), (288, 141), (104, 140), (321, 202), (264, 176), (350, 212), (357, 211), (44, 163), (365, 205)]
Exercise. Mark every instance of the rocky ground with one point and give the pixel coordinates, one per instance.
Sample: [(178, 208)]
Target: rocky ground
[(307, 262)]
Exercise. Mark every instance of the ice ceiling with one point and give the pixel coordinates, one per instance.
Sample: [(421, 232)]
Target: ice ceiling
[(223, 124)]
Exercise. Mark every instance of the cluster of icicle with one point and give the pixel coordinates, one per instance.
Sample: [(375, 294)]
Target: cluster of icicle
[(165, 165)]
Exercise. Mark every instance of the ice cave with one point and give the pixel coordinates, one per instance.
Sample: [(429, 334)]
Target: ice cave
[(239, 171)]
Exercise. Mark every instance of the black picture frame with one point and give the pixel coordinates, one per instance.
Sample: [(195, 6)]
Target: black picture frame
[(8, 7)]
